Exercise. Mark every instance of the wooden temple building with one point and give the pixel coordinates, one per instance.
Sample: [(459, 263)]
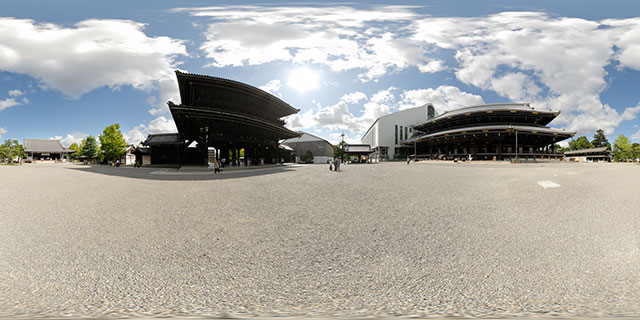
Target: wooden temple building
[(487, 132), (240, 122)]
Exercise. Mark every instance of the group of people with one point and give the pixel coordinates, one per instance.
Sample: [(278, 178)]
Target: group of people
[(115, 163), (334, 165)]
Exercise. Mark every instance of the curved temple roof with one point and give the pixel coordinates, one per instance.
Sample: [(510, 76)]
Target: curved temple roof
[(205, 91), (538, 130), (515, 113)]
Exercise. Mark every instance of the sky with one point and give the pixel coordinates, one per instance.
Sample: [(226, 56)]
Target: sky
[(68, 69)]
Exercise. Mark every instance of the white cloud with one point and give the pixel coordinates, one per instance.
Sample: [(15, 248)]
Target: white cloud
[(273, 86), (12, 102), (353, 97), (15, 93), (628, 41), (7, 103), (342, 38), (443, 98), (136, 135), (551, 62), (3, 131), (636, 135), (335, 138), (92, 54), (339, 117), (140, 132), (554, 63), (71, 138)]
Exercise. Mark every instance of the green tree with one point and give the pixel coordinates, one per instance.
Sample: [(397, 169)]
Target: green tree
[(90, 148), (581, 143), (622, 149), (600, 140), (307, 157), (4, 152), (112, 143), (15, 149), (635, 150), (338, 150), (76, 147)]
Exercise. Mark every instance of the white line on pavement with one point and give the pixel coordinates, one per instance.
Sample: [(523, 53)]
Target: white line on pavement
[(548, 184)]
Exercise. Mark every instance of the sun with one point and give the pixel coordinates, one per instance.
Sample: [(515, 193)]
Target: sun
[(303, 79)]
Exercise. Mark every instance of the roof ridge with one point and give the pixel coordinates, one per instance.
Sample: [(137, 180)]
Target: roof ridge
[(238, 83)]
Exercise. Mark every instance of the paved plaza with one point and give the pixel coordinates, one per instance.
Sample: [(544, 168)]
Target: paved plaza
[(425, 239)]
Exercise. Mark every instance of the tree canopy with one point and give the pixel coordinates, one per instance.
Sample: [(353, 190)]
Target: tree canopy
[(581, 143), (90, 148), (11, 149), (622, 150), (307, 157), (112, 142), (635, 149), (338, 150), (4, 152), (600, 140), (76, 147)]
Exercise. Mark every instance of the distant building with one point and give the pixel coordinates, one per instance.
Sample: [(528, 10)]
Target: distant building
[(46, 149), (322, 150), (491, 131), (129, 158), (589, 155), (361, 152), (386, 134)]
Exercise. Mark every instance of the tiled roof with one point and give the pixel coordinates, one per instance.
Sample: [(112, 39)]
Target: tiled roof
[(44, 145), (164, 138)]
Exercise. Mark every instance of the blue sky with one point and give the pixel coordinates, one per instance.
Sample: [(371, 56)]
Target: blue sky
[(70, 68)]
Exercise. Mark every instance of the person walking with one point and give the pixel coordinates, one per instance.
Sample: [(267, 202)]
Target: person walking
[(216, 166), (408, 160)]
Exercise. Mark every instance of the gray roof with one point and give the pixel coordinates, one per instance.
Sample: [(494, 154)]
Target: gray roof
[(491, 107), (601, 150), (163, 138), (545, 130), (303, 137), (355, 148), (45, 145)]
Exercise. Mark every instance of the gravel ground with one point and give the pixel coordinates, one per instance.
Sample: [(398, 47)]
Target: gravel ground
[(426, 239)]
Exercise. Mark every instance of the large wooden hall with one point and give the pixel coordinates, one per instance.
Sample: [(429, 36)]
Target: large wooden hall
[(488, 132), (238, 122)]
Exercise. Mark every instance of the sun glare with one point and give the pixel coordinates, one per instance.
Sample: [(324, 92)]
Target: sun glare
[(303, 79)]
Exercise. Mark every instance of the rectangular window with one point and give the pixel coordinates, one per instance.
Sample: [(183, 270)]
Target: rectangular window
[(401, 133), (406, 136), (396, 134)]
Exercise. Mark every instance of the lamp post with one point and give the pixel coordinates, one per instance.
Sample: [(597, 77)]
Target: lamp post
[(516, 144)]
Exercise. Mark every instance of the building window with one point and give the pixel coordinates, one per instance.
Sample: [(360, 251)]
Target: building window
[(401, 133), (396, 134), (406, 136)]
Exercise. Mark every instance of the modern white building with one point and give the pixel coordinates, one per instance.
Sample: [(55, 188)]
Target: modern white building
[(386, 133), (322, 150)]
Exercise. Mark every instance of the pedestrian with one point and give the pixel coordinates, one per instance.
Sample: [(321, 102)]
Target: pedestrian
[(338, 165), (408, 160), (216, 166), (330, 164)]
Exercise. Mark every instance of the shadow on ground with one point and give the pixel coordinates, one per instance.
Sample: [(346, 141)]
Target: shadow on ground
[(174, 174)]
